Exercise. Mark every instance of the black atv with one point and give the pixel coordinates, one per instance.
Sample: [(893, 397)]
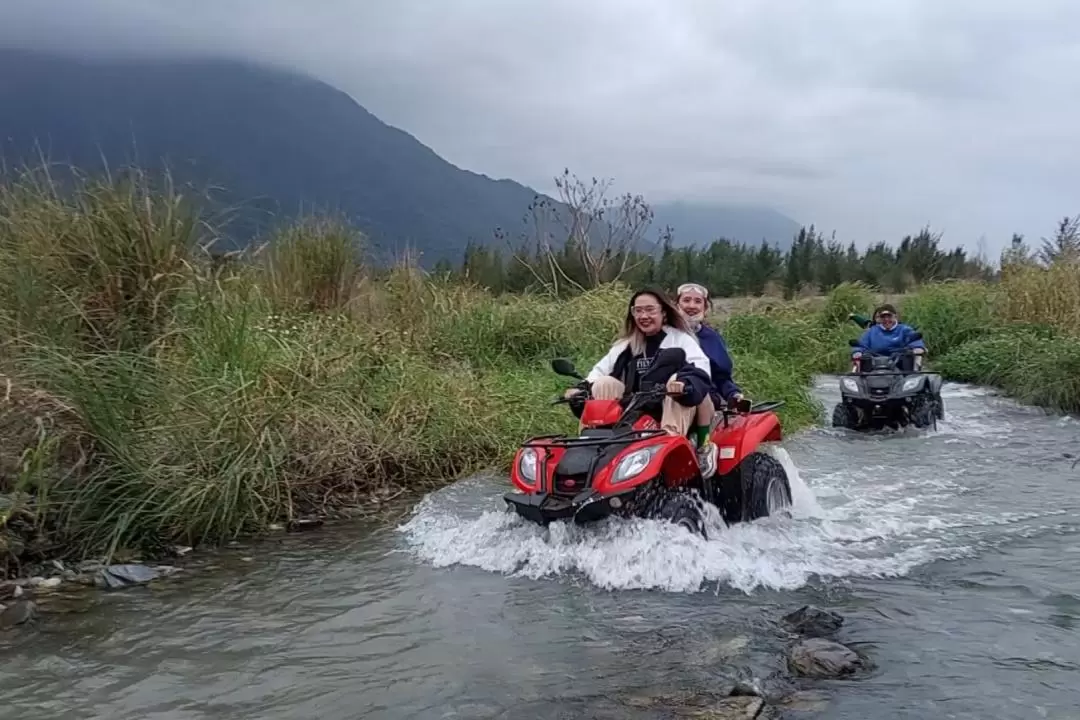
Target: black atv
[(889, 391)]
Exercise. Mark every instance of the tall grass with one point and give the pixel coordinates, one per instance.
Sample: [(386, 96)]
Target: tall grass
[(153, 395), (1021, 335)]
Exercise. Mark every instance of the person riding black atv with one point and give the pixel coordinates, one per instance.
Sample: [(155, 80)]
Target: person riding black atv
[(888, 389)]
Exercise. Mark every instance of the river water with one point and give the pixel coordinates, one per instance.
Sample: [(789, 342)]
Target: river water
[(953, 555)]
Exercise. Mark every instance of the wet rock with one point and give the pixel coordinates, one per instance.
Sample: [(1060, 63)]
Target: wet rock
[(731, 708), (820, 658), (115, 577), (702, 705), (813, 622), (67, 601), (772, 688), (50, 583), (651, 698), (768, 712), (806, 701), (17, 613)]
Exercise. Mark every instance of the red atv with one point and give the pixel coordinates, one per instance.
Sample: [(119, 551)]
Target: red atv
[(624, 464)]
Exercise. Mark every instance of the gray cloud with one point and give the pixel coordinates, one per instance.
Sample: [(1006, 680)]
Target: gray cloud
[(872, 118)]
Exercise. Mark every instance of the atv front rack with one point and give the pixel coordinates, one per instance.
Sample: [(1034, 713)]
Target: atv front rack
[(564, 440)]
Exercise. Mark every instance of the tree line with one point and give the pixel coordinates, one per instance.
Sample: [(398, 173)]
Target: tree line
[(586, 238)]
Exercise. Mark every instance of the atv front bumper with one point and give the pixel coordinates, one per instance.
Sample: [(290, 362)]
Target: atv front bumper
[(542, 508)]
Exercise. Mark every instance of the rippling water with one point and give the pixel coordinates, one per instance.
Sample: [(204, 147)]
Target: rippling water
[(954, 556)]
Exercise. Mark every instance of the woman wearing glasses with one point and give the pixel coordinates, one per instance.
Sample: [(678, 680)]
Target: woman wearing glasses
[(652, 324)]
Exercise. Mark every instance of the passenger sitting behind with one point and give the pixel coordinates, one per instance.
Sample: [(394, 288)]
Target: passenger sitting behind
[(695, 304)]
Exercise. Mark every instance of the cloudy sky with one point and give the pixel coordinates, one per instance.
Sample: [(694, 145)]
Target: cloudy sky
[(872, 118)]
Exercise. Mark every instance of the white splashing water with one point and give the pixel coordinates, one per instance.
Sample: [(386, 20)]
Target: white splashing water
[(857, 521)]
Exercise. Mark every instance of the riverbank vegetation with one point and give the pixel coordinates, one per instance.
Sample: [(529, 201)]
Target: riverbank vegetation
[(154, 392)]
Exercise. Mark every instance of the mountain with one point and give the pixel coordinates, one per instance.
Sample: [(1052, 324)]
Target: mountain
[(276, 142), (701, 223)]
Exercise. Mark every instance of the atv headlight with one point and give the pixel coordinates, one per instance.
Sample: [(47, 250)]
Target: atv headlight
[(527, 465), (850, 384), (912, 383), (632, 465)]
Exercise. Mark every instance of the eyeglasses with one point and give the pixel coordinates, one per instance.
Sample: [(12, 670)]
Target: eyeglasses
[(639, 310)]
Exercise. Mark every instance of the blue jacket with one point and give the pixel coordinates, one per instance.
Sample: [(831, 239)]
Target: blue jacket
[(720, 365), (877, 339)]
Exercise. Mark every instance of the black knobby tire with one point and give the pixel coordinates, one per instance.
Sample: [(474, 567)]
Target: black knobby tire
[(939, 407), (924, 413), (845, 416), (684, 510), (766, 489)]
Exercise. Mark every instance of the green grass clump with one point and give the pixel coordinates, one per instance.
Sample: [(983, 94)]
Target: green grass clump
[(952, 313), (845, 299), (1031, 367), (1017, 335)]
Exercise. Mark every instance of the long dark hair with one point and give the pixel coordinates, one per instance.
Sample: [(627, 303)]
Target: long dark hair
[(672, 318)]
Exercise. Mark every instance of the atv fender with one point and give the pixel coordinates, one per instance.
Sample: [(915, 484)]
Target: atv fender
[(742, 437), (934, 382)]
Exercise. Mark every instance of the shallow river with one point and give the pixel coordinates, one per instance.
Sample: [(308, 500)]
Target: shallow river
[(954, 557)]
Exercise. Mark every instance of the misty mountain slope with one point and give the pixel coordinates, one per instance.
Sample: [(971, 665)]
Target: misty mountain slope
[(701, 223), (275, 141)]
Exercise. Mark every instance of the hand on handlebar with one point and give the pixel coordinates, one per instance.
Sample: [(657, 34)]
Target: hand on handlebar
[(571, 392), (676, 387), (739, 403)]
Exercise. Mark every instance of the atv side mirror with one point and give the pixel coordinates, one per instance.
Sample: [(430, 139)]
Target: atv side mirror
[(853, 343), (563, 366), (916, 336)]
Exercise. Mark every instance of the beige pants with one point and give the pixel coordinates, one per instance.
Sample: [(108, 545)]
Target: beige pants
[(675, 419)]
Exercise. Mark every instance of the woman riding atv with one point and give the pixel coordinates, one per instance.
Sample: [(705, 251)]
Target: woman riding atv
[(888, 335), (652, 324)]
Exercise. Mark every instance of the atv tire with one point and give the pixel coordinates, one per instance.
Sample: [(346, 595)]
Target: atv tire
[(845, 416), (939, 407), (924, 413), (766, 489), (684, 510)]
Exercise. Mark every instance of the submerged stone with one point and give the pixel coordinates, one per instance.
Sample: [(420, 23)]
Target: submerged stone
[(115, 577), (813, 622), (820, 658), (742, 707), (17, 613)]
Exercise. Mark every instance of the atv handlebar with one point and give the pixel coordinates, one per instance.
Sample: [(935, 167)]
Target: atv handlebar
[(628, 397)]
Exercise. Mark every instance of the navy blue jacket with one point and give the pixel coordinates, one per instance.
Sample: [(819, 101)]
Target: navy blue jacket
[(720, 365)]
